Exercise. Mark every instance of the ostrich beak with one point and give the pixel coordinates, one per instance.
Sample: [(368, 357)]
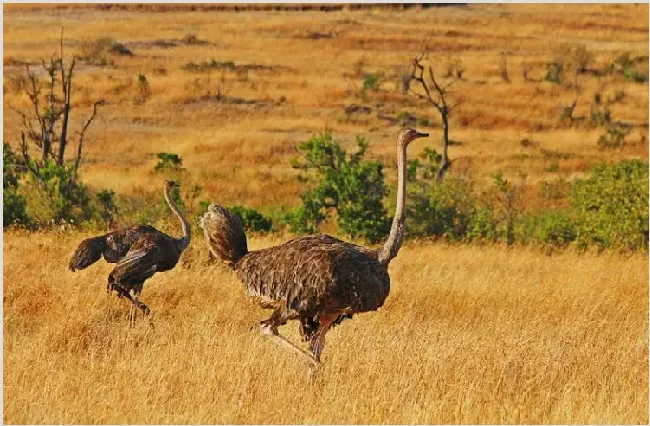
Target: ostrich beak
[(422, 135)]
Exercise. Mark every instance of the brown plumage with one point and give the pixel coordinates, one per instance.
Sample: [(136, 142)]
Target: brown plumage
[(317, 279), (139, 251)]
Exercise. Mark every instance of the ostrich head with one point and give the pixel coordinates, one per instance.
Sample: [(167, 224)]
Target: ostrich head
[(406, 136), (169, 184)]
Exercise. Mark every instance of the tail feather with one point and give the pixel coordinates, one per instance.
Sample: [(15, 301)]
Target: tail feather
[(224, 233), (89, 251)]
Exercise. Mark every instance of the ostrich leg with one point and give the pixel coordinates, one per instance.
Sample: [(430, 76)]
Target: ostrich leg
[(317, 342), (135, 302), (269, 328)]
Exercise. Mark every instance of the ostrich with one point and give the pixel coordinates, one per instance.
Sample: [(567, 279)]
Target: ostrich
[(139, 251), (317, 279)]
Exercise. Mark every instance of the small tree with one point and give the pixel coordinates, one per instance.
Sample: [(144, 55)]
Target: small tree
[(345, 183), (437, 95), (46, 123)]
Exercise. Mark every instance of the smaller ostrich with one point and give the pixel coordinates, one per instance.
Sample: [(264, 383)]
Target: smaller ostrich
[(139, 251), (317, 279)]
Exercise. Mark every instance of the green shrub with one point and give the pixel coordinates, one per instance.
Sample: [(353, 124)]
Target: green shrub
[(346, 183), (612, 206), (482, 225), (554, 72), (107, 205), (13, 204), (54, 195), (168, 161), (370, 82), (626, 66), (614, 137), (253, 220), (555, 228), (446, 210)]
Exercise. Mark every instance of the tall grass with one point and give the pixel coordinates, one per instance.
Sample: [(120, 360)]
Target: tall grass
[(468, 335)]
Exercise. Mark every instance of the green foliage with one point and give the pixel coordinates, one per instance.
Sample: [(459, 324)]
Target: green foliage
[(555, 228), (506, 195), (54, 195), (483, 224), (13, 204), (253, 220), (554, 72), (107, 205), (612, 206), (445, 210), (168, 161), (370, 82), (346, 183), (306, 218), (614, 137), (628, 67), (175, 194)]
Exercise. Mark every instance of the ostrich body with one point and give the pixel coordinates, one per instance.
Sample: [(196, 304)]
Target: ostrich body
[(139, 251), (317, 279)]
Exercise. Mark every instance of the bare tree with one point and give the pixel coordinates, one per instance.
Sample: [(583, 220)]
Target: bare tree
[(437, 95), (46, 120)]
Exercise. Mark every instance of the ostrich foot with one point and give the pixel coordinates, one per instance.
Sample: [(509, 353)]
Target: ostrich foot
[(282, 341)]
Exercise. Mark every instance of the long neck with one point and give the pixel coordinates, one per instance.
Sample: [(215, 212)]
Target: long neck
[(394, 242), (187, 230)]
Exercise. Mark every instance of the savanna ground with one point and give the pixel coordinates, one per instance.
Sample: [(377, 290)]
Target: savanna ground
[(469, 334)]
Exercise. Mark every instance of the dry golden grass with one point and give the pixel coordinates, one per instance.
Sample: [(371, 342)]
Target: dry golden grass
[(316, 78), (468, 335)]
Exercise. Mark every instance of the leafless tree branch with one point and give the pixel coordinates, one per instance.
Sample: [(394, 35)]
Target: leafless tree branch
[(82, 133)]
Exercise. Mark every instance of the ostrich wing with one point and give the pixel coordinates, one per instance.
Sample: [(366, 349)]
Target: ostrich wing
[(89, 251), (315, 273), (139, 264)]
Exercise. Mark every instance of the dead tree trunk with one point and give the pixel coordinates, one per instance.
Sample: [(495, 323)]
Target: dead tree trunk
[(436, 95)]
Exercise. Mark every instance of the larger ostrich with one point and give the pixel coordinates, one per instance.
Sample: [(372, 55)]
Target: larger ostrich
[(139, 251), (317, 279)]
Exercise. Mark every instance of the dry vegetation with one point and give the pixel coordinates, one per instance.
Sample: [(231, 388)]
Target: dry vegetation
[(469, 334), (239, 146)]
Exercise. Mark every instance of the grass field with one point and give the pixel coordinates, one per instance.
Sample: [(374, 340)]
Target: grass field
[(469, 333)]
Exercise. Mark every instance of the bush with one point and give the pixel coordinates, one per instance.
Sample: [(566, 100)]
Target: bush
[(554, 72), (253, 220), (612, 206), (168, 161), (626, 66), (53, 195), (346, 183), (445, 210), (13, 204), (107, 206), (614, 137), (555, 228)]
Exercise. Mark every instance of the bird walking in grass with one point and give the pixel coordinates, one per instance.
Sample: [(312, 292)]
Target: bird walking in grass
[(317, 279), (139, 251)]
